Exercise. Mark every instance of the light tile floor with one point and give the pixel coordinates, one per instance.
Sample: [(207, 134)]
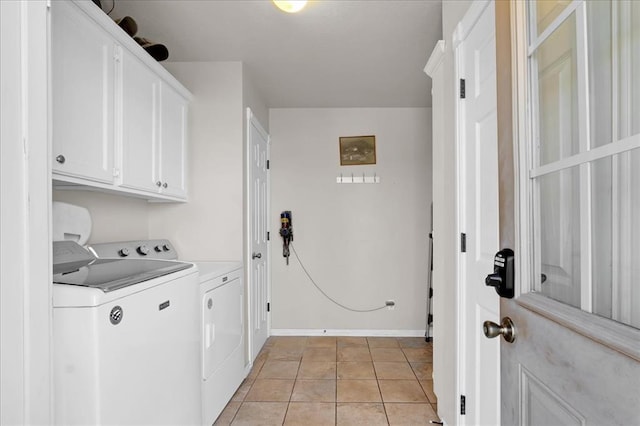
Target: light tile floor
[(337, 381)]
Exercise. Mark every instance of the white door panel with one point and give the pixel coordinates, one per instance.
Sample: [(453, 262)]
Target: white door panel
[(258, 155), (570, 375), (478, 154)]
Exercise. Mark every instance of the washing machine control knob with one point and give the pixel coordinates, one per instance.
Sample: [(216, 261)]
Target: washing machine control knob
[(166, 247), (143, 250), (158, 248), (123, 252)]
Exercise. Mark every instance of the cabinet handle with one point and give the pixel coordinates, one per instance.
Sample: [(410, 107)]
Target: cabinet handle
[(164, 185), (60, 159), (158, 184)]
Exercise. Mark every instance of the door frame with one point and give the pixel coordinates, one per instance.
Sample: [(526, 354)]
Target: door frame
[(251, 119), (26, 314)]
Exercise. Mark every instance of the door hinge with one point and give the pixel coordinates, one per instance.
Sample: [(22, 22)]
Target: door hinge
[(268, 236), (268, 307), (463, 405), (463, 242), (462, 88), (268, 164)]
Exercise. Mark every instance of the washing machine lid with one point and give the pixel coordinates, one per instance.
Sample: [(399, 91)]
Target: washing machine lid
[(113, 274), (74, 265)]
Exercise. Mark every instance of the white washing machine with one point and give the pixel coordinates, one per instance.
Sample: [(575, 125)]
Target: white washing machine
[(126, 340), (222, 335), (221, 339)]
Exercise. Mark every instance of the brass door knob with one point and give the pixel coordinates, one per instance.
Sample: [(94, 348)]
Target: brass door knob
[(507, 329)]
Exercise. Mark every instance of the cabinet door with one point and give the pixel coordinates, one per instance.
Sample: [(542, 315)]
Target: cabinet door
[(82, 58), (140, 139), (173, 136)]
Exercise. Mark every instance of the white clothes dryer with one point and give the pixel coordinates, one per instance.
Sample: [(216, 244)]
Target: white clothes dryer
[(222, 335)]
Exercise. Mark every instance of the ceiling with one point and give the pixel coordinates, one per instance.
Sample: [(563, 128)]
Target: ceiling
[(335, 53)]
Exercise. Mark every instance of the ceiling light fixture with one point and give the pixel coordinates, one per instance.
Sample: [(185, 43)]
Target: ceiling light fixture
[(291, 6)]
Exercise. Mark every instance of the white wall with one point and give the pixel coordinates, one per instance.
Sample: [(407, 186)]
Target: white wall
[(362, 243), (253, 99), (113, 217)]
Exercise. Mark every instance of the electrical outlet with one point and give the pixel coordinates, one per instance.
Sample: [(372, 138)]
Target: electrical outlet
[(390, 304)]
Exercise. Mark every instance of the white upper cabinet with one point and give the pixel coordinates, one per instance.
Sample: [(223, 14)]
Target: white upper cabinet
[(154, 133), (173, 134), (140, 116), (82, 95), (119, 118)]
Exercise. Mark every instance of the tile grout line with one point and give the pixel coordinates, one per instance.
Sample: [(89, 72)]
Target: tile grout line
[(417, 378), (253, 381), (384, 407), (295, 379), (335, 404)]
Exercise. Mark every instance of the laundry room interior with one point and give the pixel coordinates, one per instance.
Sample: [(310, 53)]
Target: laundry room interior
[(364, 243), (360, 259), (309, 214)]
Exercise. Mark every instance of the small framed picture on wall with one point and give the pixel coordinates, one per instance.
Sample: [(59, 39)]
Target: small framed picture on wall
[(357, 150)]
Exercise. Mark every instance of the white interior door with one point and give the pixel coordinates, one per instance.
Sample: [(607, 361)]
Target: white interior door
[(478, 220), (578, 144), (258, 255)]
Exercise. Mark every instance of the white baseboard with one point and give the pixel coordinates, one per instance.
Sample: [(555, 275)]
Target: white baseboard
[(343, 332)]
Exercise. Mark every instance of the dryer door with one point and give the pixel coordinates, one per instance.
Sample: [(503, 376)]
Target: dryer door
[(222, 325)]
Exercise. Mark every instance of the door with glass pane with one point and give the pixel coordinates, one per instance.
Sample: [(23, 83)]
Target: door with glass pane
[(576, 358)]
